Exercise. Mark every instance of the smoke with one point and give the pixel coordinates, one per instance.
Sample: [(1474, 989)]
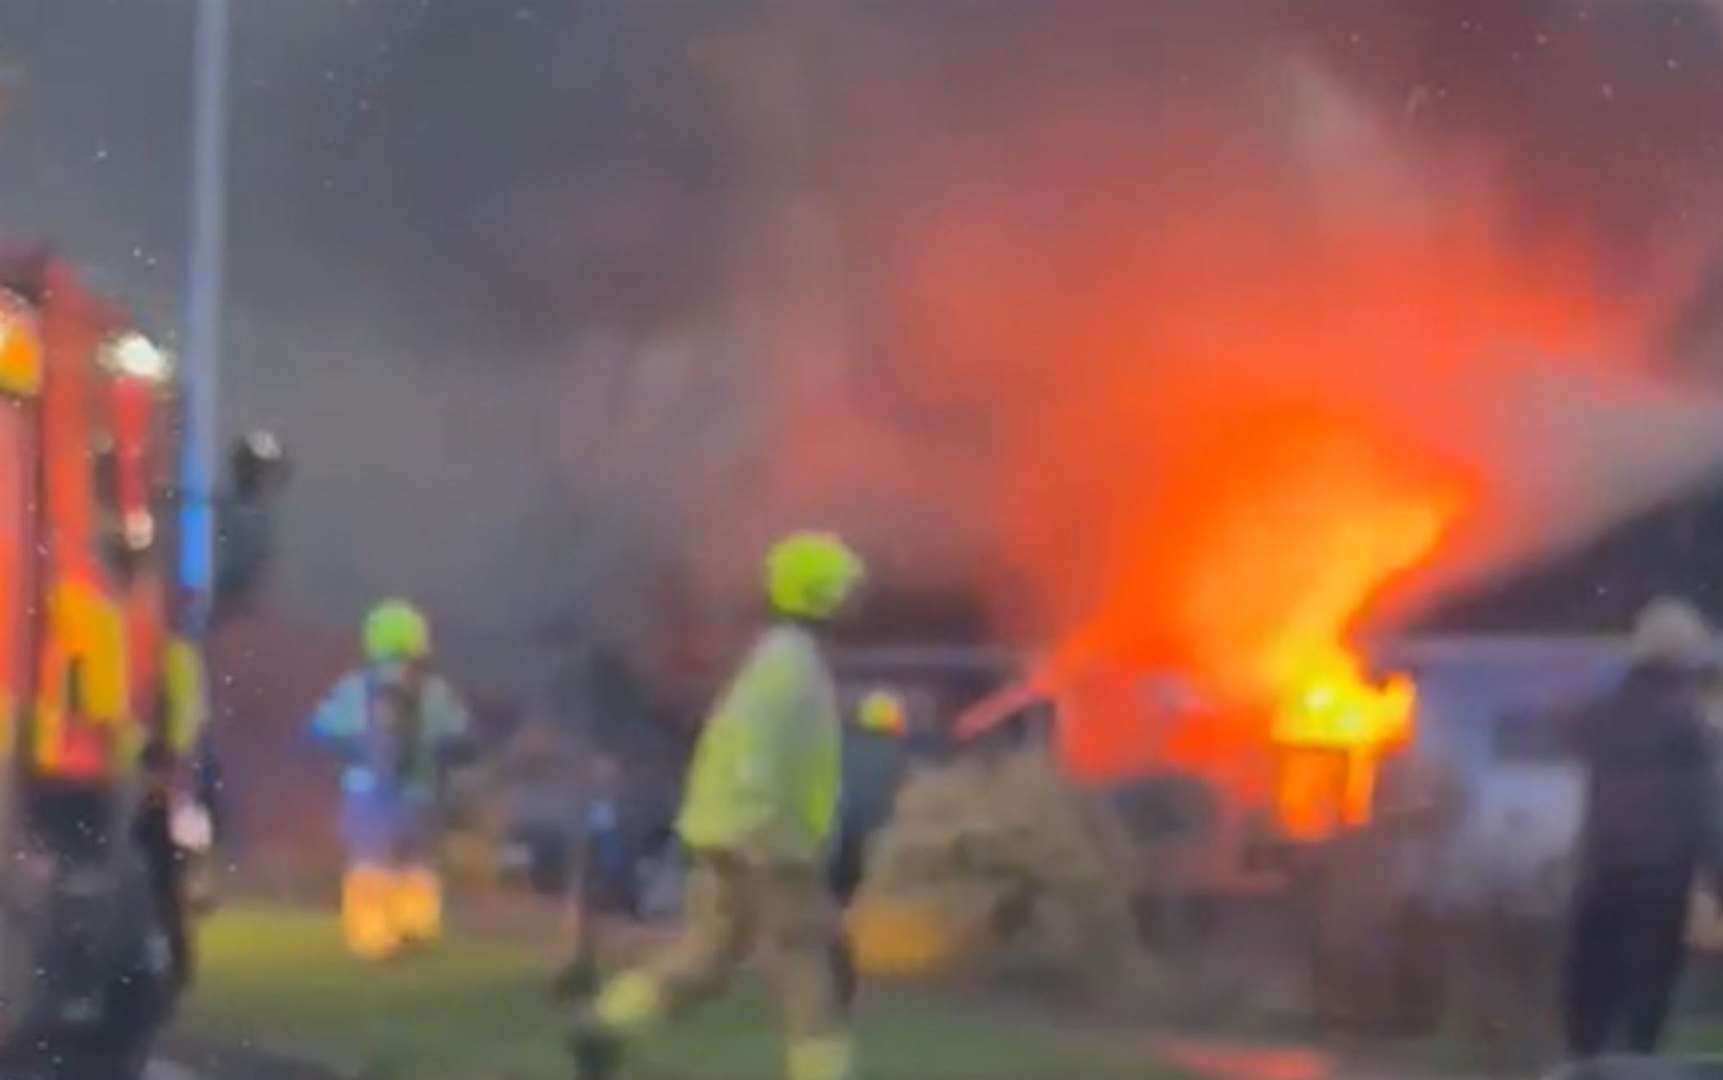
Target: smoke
[(1193, 345), (1087, 248), (564, 312)]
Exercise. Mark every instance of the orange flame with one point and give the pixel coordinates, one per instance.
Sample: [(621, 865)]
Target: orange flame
[(1284, 540), (1322, 699), (1212, 397)]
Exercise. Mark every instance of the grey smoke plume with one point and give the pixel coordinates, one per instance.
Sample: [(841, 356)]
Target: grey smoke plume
[(545, 294)]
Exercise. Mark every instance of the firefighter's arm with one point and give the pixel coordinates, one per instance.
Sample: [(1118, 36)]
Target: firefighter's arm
[(339, 721), (820, 773)]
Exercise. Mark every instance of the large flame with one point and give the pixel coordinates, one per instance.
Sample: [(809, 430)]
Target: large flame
[(1228, 415), (1211, 388), (1249, 462), (1283, 541), (1359, 534)]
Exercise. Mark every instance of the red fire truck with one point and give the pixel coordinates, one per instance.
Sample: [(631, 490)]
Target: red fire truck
[(101, 681)]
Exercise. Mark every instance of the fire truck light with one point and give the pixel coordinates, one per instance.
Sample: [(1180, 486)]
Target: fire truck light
[(139, 528), (134, 355)]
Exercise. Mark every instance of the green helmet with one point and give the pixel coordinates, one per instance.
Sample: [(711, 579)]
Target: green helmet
[(396, 630), (883, 712), (810, 574)]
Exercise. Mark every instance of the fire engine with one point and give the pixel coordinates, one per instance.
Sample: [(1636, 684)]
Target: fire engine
[(101, 680)]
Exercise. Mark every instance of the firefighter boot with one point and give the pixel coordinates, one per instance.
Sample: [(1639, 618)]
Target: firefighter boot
[(367, 924), (416, 905), (626, 1007), (597, 1056)]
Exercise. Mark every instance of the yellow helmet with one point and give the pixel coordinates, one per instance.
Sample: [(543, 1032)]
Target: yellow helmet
[(810, 574), (396, 630), (883, 712)]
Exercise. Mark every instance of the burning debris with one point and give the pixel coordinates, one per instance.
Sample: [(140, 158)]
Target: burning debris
[(1289, 537)]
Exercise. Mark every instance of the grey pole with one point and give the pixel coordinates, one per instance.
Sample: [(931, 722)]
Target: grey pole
[(201, 356)]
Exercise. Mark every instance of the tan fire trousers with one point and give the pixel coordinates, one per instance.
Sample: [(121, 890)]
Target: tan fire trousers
[(734, 908)]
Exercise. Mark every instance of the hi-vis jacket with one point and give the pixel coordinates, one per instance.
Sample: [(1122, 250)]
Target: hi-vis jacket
[(348, 724), (765, 775)]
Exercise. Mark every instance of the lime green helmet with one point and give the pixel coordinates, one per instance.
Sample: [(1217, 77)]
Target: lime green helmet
[(883, 712), (810, 574), (396, 630)]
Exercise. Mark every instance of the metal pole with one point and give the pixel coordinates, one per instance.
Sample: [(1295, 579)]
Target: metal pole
[(203, 303)]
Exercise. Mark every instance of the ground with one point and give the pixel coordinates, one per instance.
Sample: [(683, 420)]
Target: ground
[(476, 1008), (275, 978)]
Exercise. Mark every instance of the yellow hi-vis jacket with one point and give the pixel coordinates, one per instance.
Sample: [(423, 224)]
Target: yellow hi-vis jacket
[(765, 775)]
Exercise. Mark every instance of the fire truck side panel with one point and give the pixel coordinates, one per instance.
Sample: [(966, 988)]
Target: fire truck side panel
[(17, 553), (80, 730)]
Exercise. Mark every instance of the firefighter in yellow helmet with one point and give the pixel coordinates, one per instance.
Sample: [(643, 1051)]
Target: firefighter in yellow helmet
[(757, 818), (396, 727), (874, 763)]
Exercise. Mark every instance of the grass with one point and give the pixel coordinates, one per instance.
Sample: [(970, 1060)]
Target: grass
[(476, 1009)]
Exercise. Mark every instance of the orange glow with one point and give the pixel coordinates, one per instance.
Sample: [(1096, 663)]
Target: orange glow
[(1222, 422), (1264, 426), (1284, 541), (1206, 389)]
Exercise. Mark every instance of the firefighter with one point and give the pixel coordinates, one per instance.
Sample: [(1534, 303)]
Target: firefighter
[(873, 770), (396, 726), (175, 822), (757, 817), (1647, 831), (873, 762)]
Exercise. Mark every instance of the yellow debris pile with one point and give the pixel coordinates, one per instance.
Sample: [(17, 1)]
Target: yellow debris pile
[(995, 853)]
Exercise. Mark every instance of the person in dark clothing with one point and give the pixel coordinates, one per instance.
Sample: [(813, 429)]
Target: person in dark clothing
[(1648, 830), (874, 761), (165, 861)]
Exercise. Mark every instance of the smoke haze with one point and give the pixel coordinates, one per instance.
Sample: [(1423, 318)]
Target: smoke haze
[(570, 306)]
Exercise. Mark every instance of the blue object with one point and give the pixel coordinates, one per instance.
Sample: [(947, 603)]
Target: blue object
[(388, 790), (202, 342)]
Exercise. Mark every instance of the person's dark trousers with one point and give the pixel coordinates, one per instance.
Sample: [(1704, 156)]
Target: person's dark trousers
[(846, 876), (1627, 951)]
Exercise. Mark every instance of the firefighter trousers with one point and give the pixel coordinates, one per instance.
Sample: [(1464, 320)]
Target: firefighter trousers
[(387, 908), (733, 909)]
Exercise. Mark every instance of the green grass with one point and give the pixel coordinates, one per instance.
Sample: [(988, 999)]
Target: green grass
[(476, 1009)]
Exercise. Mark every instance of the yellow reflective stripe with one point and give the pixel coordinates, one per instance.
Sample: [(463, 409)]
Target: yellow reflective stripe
[(92, 628), (185, 685), (18, 379), (86, 626)]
